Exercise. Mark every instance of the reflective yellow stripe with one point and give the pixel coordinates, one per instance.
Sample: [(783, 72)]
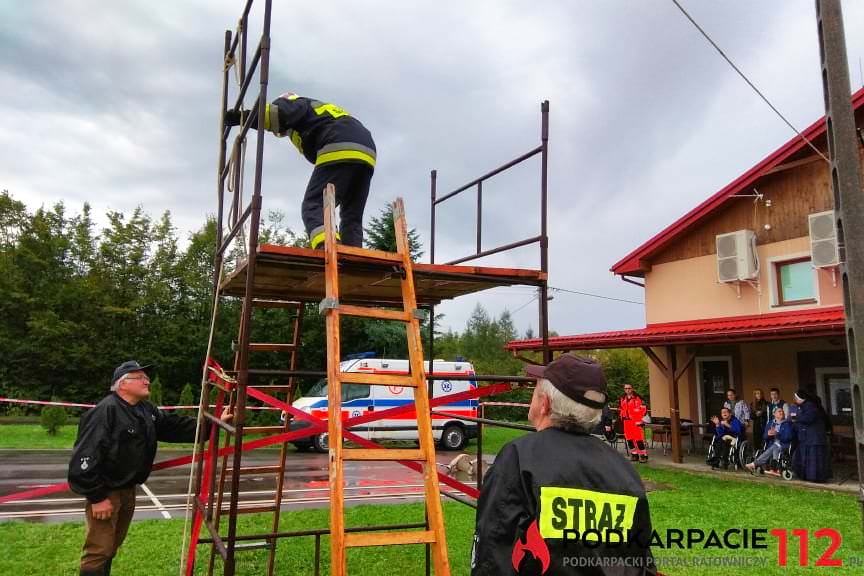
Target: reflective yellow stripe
[(267, 117), (319, 238), (344, 155), (296, 140), (564, 512), (332, 109)]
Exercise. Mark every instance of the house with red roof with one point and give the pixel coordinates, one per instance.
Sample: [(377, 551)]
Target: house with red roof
[(742, 292)]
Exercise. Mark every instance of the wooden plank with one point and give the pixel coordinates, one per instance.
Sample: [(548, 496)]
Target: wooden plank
[(263, 429), (796, 191), (382, 454), (655, 359), (270, 347), (334, 389), (377, 313), (434, 510), (247, 470), (368, 254), (361, 539), (262, 303), (379, 379)]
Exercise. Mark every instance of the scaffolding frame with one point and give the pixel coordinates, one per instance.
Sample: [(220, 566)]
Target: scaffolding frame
[(233, 386)]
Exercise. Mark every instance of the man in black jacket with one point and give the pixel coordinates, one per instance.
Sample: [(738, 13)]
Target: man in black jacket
[(113, 453), (341, 149), (560, 501)]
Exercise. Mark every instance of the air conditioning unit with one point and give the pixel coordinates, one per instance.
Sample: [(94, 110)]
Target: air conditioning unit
[(823, 240), (736, 256)]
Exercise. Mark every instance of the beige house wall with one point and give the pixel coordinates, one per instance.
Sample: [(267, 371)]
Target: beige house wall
[(763, 365), (688, 289)]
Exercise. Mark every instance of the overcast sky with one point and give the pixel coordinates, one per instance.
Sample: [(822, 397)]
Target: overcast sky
[(117, 104)]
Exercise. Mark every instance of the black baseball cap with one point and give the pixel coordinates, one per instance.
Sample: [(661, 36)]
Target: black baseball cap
[(573, 376), (126, 368)]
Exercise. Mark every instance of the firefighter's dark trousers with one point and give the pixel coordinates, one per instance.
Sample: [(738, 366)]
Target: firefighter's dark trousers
[(351, 180), (104, 537)]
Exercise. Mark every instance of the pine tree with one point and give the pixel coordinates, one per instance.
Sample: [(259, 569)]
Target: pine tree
[(156, 397), (186, 399), (381, 234)]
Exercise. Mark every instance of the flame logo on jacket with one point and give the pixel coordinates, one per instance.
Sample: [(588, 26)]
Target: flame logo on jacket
[(534, 544)]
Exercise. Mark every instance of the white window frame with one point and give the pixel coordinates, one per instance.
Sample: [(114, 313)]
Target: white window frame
[(775, 290)]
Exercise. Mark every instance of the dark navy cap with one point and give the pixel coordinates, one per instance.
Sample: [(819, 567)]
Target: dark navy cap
[(126, 368)]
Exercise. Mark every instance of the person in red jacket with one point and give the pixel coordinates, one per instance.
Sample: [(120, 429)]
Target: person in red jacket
[(632, 410)]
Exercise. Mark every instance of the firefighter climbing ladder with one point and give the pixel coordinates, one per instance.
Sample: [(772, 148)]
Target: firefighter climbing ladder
[(410, 315)]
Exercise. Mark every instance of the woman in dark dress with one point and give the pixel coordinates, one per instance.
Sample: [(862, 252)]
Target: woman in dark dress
[(812, 458), (759, 412)]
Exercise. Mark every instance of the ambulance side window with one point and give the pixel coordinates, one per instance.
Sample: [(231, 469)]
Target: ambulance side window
[(354, 391)]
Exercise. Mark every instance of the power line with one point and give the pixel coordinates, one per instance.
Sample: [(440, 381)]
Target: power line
[(533, 298), (753, 86), (596, 295)]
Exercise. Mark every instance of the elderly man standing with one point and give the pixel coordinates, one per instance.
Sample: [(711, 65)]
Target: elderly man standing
[(113, 453), (560, 501)]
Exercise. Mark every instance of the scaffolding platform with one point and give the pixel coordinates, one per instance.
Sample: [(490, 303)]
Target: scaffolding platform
[(291, 273)]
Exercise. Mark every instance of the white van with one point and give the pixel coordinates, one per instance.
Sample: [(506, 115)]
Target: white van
[(360, 399)]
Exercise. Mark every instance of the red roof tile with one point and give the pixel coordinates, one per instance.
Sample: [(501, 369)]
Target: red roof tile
[(775, 326)]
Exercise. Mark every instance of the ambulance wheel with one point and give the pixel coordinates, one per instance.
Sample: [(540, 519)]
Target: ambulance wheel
[(319, 443), (453, 437)]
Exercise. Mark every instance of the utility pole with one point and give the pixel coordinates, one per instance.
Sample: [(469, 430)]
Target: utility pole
[(848, 202)]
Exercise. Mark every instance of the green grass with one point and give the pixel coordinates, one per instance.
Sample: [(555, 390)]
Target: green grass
[(494, 439), (688, 501), (34, 437)]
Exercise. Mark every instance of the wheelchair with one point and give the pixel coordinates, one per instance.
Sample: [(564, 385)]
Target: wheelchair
[(740, 453), (782, 466)]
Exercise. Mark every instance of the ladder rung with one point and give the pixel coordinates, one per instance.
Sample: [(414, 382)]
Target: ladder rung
[(251, 546), (259, 303), (369, 253), (270, 347), (358, 539), (383, 454), (245, 471), (251, 509), (218, 386), (377, 379), (378, 313), (220, 423), (262, 429)]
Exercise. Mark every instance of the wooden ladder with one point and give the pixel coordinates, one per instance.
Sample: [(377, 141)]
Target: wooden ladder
[(416, 379), (278, 470)]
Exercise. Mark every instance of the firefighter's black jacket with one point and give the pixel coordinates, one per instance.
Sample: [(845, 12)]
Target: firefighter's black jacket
[(116, 445), (322, 132), (567, 483)]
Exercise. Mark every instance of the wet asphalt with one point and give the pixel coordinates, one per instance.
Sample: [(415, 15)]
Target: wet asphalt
[(164, 494)]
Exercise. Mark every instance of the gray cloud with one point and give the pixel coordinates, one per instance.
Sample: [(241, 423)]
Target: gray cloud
[(117, 104)]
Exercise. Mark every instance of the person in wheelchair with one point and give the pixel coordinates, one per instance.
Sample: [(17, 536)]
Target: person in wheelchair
[(727, 431), (778, 439)]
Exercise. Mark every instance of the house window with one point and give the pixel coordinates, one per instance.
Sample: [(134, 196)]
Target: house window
[(795, 282)]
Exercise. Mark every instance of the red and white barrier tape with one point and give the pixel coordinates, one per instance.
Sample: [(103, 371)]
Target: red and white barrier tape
[(78, 405)]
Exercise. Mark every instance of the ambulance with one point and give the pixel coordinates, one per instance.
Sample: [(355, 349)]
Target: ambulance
[(451, 433)]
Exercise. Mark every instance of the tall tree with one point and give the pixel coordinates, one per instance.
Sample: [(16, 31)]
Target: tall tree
[(381, 234)]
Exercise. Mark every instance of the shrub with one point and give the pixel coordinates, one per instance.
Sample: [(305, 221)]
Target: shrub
[(53, 418)]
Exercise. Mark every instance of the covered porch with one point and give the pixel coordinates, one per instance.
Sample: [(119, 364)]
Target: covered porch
[(692, 364)]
